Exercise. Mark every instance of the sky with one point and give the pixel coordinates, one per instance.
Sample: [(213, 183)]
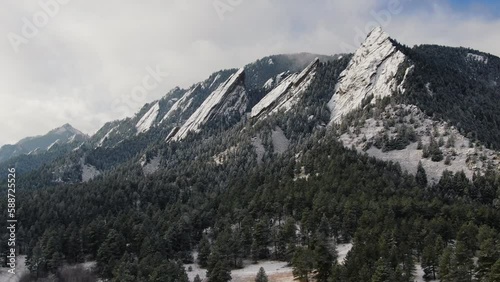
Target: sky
[(93, 61)]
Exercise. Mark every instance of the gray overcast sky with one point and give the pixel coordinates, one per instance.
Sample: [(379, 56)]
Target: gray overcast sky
[(71, 61)]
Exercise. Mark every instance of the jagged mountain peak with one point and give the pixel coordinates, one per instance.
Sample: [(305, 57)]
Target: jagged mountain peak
[(376, 35), (66, 128), (371, 73), (64, 134)]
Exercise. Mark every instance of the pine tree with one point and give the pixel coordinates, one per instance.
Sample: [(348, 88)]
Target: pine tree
[(303, 264), (337, 271), (169, 272), (494, 275), (197, 278), (324, 257), (488, 254), (218, 266), (430, 256), (220, 272), (382, 271), (261, 240), (446, 269), (421, 176), (110, 252), (203, 252), (464, 262), (261, 276)]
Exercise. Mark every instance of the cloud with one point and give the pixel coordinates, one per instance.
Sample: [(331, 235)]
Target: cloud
[(91, 53)]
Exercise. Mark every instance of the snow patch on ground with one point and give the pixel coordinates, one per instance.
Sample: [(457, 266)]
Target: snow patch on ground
[(21, 269), (419, 275), (148, 119), (89, 172), (152, 166), (342, 250), (280, 142), (223, 156), (462, 156), (371, 71), (276, 270)]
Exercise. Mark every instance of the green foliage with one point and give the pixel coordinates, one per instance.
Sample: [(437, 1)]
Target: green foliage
[(495, 272), (421, 176), (142, 228), (204, 252), (261, 276), (303, 264), (464, 91)]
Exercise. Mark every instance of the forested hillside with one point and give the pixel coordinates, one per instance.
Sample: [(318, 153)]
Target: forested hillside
[(291, 182)]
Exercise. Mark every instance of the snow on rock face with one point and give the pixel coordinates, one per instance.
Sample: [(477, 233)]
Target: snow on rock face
[(269, 84), (280, 76), (182, 103), (148, 119), (286, 94), (101, 142), (371, 71), (401, 88), (67, 128), (203, 113), (53, 144), (477, 58), (215, 80), (456, 147)]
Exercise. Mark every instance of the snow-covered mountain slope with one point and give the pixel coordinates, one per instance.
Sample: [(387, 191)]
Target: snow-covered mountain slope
[(148, 119), (403, 134), (232, 86), (182, 103), (65, 134), (287, 93), (371, 72)]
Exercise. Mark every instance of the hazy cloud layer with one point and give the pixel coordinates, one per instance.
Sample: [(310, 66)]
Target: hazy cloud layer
[(84, 56)]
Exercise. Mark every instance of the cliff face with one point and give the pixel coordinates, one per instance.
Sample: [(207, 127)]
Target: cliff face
[(371, 72)]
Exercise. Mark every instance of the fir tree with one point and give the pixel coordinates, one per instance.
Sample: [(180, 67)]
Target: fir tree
[(203, 252), (494, 275), (421, 176), (303, 264), (261, 276)]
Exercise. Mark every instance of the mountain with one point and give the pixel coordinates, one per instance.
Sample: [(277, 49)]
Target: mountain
[(388, 154), (63, 135), (397, 104)]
